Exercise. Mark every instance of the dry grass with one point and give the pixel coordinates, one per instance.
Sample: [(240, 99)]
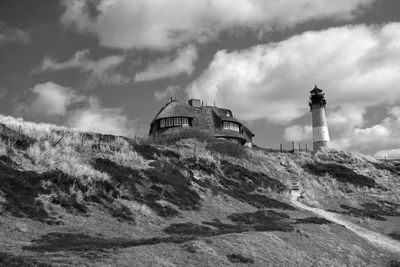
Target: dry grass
[(72, 155), (3, 148), (343, 157), (63, 158), (128, 158)]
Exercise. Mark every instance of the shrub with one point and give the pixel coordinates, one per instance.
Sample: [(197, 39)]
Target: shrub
[(237, 258), (227, 148)]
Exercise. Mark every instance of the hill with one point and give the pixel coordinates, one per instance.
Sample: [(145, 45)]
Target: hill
[(69, 198)]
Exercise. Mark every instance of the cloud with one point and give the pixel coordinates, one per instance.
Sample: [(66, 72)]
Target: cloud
[(297, 133), (355, 65), (96, 118), (382, 136), (170, 91), (12, 35), (388, 154), (165, 24), (168, 68), (99, 71), (65, 105), (50, 99)]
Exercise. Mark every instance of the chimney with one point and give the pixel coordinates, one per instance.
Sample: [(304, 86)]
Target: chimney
[(194, 103)]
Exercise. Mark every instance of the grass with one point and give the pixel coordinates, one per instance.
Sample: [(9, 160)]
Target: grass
[(3, 148), (126, 187), (9, 260)]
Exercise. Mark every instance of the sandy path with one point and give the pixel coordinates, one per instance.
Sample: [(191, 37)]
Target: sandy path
[(375, 238)]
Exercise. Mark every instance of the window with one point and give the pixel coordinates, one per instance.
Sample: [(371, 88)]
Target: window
[(232, 126), (226, 125), (169, 122), (177, 121)]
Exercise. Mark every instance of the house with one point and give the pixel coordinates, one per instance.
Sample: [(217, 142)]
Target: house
[(176, 116)]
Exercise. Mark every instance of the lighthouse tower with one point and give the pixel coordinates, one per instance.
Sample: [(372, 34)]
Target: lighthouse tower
[(320, 127)]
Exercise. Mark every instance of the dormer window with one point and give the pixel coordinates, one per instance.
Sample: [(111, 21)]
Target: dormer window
[(229, 114)]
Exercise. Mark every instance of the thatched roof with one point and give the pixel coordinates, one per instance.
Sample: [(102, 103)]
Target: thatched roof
[(174, 109), (205, 117)]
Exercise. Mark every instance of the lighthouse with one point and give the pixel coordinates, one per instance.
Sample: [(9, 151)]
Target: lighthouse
[(320, 127)]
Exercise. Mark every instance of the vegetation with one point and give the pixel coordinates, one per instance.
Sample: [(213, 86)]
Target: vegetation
[(87, 194), (237, 258), (9, 260)]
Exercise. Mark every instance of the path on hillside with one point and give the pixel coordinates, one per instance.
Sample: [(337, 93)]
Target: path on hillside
[(371, 236)]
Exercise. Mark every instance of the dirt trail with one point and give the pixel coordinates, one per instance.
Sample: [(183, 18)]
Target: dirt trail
[(371, 236)]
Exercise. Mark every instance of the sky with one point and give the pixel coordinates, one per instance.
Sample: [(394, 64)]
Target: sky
[(110, 65)]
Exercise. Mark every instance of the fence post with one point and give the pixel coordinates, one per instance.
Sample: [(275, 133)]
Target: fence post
[(293, 146), (281, 147), (19, 132), (299, 147)]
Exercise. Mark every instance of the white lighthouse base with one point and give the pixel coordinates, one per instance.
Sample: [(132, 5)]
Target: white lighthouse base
[(320, 144), (320, 137)]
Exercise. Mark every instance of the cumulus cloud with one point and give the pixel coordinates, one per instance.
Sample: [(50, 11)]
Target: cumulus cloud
[(168, 67), (170, 91), (12, 35), (383, 136), (100, 71), (50, 99), (165, 24), (355, 65), (96, 118), (69, 107), (297, 133)]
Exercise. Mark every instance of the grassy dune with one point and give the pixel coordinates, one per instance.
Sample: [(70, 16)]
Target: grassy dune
[(71, 198)]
